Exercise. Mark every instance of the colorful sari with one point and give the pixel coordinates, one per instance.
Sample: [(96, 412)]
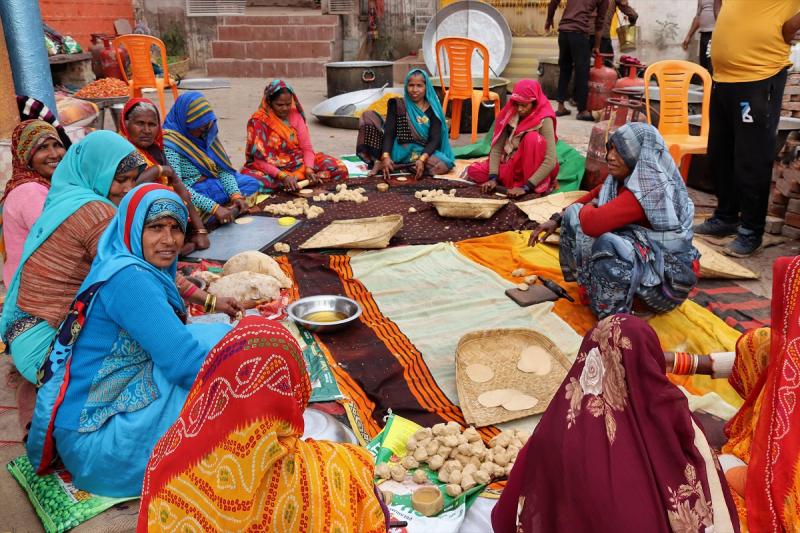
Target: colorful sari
[(765, 433), (84, 175), (617, 449), (524, 148), (26, 139), (275, 145), (411, 132), (153, 154), (234, 459), (652, 263)]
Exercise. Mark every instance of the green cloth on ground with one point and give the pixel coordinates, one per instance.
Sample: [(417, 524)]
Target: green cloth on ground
[(59, 505), (572, 163), (323, 384), (436, 295)]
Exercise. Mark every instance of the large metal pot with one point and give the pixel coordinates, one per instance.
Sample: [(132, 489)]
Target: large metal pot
[(486, 114), (348, 76)]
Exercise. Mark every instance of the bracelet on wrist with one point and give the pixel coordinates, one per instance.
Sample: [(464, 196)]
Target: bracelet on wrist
[(237, 196), (202, 231), (424, 157), (210, 303), (386, 155)]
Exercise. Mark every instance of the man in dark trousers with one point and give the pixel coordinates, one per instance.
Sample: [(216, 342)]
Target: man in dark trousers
[(750, 56), (577, 39)]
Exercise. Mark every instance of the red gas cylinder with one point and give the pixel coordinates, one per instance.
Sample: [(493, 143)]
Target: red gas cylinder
[(108, 60), (618, 111), (632, 81), (601, 81)]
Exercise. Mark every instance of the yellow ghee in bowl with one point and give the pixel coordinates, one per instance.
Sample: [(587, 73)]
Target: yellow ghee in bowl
[(325, 316)]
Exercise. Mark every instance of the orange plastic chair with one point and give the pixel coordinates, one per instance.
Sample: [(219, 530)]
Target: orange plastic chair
[(673, 77), (459, 52), (142, 74)]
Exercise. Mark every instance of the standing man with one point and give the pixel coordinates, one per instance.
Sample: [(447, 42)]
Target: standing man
[(704, 20), (577, 39), (625, 8), (750, 55)]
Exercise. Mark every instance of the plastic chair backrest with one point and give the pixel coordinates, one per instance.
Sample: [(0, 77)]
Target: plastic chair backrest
[(138, 47), (459, 52), (674, 77)]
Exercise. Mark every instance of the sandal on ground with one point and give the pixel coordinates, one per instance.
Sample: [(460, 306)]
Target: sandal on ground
[(586, 117), (563, 113)]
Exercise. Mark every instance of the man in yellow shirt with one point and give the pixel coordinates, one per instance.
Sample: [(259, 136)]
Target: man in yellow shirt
[(750, 56)]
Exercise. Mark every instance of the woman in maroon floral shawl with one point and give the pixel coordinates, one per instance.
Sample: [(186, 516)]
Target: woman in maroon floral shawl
[(617, 450)]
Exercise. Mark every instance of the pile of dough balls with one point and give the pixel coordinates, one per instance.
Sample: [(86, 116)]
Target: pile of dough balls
[(432, 194), (282, 247), (460, 459), (294, 208), (343, 194)]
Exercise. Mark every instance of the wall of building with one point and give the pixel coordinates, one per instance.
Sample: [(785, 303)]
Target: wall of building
[(82, 18), (661, 31), (164, 15)]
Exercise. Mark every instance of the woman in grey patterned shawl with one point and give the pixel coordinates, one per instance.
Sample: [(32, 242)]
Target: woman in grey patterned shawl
[(631, 237)]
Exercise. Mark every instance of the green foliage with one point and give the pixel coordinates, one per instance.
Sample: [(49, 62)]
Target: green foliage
[(174, 40)]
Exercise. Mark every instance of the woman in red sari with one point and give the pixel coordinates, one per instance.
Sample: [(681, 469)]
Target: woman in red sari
[(523, 156), (279, 152), (617, 449)]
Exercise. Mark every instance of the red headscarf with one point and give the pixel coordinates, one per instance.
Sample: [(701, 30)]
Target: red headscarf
[(775, 445), (525, 91), (154, 154), (617, 448)]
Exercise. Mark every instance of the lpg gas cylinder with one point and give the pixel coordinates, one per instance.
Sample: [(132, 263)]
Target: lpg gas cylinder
[(618, 111), (601, 82)]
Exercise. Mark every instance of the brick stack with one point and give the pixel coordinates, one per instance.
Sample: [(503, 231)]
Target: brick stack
[(784, 202), (791, 96)]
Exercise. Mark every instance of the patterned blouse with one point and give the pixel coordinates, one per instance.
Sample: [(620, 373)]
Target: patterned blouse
[(191, 175)]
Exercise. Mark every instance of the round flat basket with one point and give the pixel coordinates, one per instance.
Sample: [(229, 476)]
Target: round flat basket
[(500, 350), (475, 208)]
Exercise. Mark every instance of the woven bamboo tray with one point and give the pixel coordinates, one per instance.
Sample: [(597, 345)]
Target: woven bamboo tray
[(715, 265), (475, 208), (500, 349), (367, 233), (540, 209)]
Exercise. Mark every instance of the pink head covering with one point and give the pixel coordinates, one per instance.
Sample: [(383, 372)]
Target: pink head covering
[(525, 91)]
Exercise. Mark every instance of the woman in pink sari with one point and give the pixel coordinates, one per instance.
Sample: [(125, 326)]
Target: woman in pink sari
[(617, 449), (523, 156)]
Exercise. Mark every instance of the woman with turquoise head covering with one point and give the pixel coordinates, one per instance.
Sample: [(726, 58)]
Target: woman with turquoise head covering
[(124, 359), (413, 135), (92, 177)]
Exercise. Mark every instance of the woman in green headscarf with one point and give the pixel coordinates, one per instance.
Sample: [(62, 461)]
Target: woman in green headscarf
[(414, 133)]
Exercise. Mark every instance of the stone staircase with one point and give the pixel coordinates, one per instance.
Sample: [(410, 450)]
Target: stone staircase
[(525, 55), (275, 46)]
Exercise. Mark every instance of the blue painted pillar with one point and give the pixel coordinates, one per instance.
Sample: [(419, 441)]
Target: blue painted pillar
[(22, 25)]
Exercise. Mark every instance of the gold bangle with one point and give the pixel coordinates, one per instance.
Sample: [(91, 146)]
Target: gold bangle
[(160, 170), (202, 231), (213, 303), (424, 157), (214, 209), (385, 155), (207, 303), (237, 196)]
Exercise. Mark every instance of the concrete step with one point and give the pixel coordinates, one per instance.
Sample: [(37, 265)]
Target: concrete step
[(252, 32), (272, 49), (281, 20), (266, 68)]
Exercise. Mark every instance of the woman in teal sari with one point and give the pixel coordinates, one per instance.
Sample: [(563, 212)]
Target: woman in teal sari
[(414, 134)]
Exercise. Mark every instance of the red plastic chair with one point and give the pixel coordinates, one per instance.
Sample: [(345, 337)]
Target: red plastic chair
[(142, 74), (459, 53)]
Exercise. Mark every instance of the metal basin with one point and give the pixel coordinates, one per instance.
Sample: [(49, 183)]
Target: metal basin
[(347, 76), (322, 426), (485, 114), (313, 304), (324, 111)]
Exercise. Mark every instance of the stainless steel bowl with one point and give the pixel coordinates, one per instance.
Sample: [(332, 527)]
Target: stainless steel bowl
[(312, 304)]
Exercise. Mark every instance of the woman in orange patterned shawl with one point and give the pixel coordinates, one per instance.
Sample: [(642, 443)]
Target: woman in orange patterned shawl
[(767, 374), (234, 458), (279, 152)]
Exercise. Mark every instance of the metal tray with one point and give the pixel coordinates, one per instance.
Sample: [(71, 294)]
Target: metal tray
[(324, 111), (477, 21)]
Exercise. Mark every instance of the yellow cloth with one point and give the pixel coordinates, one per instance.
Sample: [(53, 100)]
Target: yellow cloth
[(689, 328), (748, 40)]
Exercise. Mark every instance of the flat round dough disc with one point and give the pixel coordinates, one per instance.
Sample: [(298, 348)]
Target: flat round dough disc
[(479, 373), (244, 220), (402, 179), (519, 401), (536, 360), (496, 397)]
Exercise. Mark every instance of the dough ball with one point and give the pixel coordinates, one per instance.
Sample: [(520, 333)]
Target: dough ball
[(438, 429), (411, 444), (472, 434), (479, 373), (254, 261), (530, 280), (481, 477), (443, 475), (451, 441), (387, 496), (453, 428), (422, 434), (523, 286), (444, 451), (419, 477), (464, 449), (453, 490), (420, 454), (518, 272), (398, 473), (409, 463), (496, 397), (502, 440), (469, 469), (455, 476), (383, 471), (249, 288), (436, 462), (501, 458), (467, 481), (536, 360)]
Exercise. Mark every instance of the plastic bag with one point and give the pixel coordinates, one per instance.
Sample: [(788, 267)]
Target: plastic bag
[(50, 45), (71, 46)]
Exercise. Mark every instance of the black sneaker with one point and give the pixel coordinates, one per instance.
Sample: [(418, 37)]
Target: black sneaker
[(716, 228), (746, 243)]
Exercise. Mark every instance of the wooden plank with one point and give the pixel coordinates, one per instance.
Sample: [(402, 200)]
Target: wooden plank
[(59, 59)]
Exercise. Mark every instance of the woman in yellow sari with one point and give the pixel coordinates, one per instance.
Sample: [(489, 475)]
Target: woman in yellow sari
[(234, 459)]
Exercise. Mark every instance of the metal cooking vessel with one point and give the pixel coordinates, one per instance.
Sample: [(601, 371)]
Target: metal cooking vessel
[(324, 111), (347, 76)]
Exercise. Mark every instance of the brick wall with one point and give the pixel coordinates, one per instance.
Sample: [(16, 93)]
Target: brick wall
[(81, 18)]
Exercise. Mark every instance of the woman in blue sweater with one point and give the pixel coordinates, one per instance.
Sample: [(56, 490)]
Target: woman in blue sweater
[(124, 359)]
